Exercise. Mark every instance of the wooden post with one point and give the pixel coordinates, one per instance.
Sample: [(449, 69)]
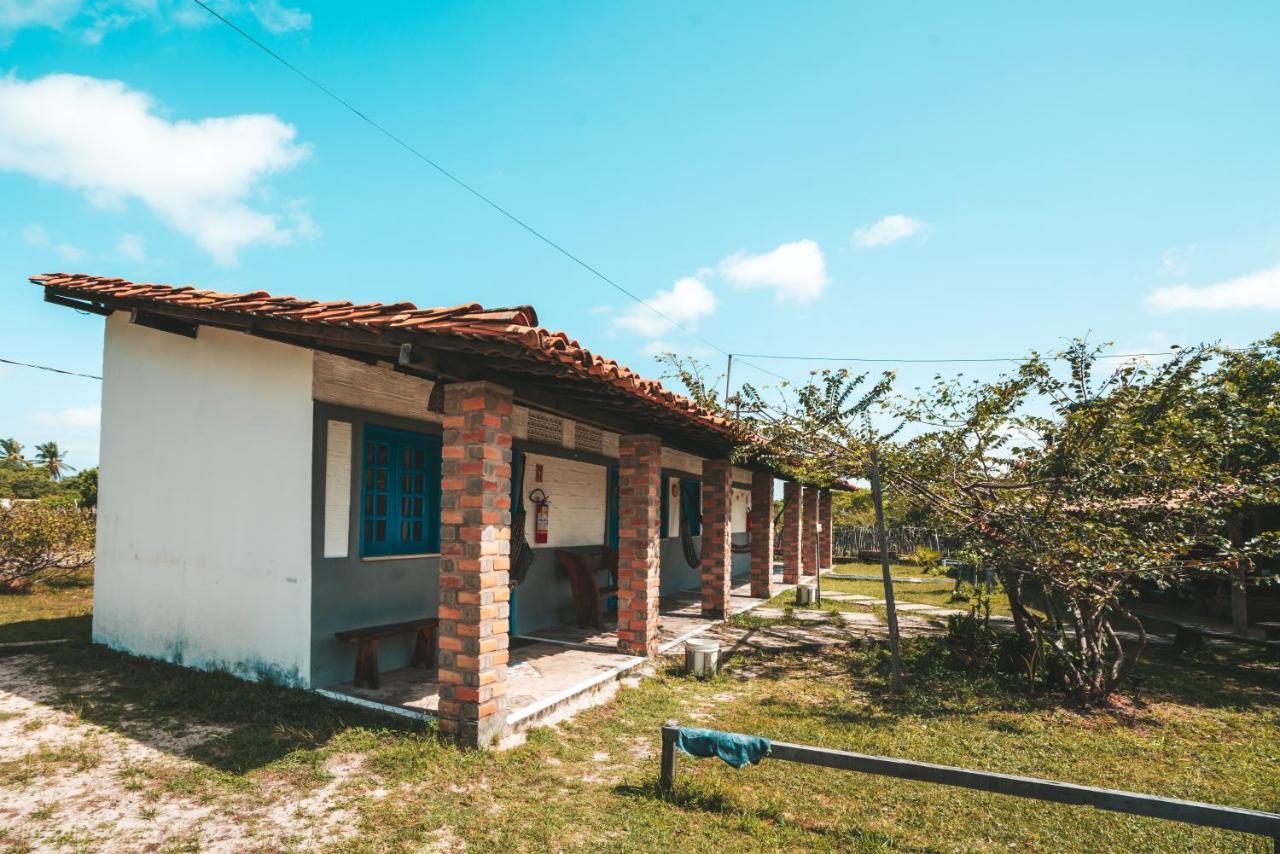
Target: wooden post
[(667, 780), (890, 608), (1239, 595)]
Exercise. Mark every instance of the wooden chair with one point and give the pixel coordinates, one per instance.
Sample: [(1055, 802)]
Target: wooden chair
[(587, 592)]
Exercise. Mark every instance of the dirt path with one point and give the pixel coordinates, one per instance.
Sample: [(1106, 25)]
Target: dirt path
[(70, 785)]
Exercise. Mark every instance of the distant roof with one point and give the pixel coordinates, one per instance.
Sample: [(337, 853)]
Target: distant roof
[(509, 337)]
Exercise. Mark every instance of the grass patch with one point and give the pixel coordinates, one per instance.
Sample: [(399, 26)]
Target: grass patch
[(848, 566), (49, 610), (936, 591), (1203, 729)]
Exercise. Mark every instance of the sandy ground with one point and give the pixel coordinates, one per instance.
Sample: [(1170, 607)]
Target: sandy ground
[(70, 785)]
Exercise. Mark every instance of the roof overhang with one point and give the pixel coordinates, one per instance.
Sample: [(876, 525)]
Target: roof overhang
[(543, 373)]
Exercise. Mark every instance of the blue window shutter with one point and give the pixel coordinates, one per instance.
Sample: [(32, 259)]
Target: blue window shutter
[(691, 504), (665, 512), (400, 492)]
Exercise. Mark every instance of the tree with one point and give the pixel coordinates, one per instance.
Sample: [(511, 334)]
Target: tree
[(1084, 486), (25, 482), (52, 460), (38, 541), (11, 455), (1074, 484), (84, 486), (821, 433)]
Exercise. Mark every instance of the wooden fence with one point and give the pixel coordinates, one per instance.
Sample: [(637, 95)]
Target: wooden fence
[(1188, 812), (852, 540)]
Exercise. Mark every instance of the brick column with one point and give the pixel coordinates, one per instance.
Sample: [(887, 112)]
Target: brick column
[(475, 547), (761, 535), (717, 543), (639, 556), (791, 521), (809, 533), (826, 534)]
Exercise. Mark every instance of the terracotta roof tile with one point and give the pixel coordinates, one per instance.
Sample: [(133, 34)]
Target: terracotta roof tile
[(517, 324)]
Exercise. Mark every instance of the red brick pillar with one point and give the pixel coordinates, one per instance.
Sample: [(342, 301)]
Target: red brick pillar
[(475, 547), (827, 532), (717, 530), (791, 523), (809, 533), (639, 555), (761, 535)]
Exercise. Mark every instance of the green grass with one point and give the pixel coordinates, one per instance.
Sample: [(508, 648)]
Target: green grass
[(48, 610), (846, 566), (937, 590), (1203, 729)]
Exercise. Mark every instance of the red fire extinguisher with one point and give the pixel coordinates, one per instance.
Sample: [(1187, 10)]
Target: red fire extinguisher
[(541, 516)]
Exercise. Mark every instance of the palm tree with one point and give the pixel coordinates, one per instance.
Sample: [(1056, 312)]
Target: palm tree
[(52, 460), (11, 451)]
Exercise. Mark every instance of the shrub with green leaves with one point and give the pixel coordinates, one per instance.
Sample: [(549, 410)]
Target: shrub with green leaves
[(39, 541), (926, 558)]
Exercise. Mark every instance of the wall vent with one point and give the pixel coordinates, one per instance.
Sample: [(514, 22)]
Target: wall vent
[(590, 439), (609, 444), (548, 429)]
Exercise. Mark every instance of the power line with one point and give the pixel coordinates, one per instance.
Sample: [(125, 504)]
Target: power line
[(53, 370), (742, 357), (454, 178), (867, 359)]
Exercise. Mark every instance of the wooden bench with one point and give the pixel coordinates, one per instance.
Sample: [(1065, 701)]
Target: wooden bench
[(1272, 630), (366, 640)]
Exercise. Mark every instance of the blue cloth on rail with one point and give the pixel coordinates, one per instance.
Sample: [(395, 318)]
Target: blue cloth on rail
[(732, 747)]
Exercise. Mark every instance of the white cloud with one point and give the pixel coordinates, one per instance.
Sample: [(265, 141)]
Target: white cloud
[(279, 18), (889, 229), (93, 20), (657, 347), (132, 246), (794, 271), (1176, 260), (16, 14), (70, 418), (197, 175), (1260, 290), (35, 235), (688, 300)]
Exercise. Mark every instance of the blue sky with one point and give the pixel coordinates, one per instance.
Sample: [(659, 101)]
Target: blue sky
[(959, 180)]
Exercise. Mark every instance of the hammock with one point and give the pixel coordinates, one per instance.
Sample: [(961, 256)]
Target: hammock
[(521, 554), (691, 555)]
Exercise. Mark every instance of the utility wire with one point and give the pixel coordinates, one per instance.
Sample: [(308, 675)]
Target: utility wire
[(53, 370), (866, 359), (454, 178), (382, 129)]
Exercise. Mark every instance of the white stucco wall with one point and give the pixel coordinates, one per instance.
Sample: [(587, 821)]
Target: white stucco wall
[(578, 502), (674, 510), (741, 504), (204, 514)]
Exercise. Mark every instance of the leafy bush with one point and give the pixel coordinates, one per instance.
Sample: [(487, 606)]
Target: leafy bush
[(929, 560), (40, 541), (975, 643)]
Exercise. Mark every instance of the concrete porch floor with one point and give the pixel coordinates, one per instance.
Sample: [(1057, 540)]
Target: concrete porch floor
[(554, 672)]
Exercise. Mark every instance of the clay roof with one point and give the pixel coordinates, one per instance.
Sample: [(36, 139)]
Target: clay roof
[(471, 326)]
